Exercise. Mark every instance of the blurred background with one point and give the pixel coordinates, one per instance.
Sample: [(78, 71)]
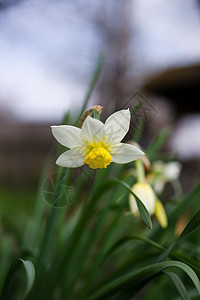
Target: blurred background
[(48, 52)]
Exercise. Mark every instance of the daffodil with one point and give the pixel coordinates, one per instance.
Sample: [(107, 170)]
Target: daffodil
[(162, 173), (96, 144), (143, 190), (145, 193)]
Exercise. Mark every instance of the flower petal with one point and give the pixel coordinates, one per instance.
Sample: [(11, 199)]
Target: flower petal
[(160, 214), (72, 158), (146, 194), (117, 126), (66, 135), (125, 153), (92, 131)]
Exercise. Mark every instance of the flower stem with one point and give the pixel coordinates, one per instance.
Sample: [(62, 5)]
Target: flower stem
[(140, 170), (95, 114)]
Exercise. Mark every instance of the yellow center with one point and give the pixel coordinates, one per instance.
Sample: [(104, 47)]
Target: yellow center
[(98, 157)]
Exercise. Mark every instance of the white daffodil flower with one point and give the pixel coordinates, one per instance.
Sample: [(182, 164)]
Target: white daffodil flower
[(145, 193), (172, 170), (96, 144), (163, 172)]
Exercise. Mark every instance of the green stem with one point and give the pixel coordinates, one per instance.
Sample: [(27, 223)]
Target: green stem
[(140, 170), (95, 114), (48, 236)]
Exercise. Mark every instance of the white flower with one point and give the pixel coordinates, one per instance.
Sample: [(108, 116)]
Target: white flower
[(172, 170), (96, 144), (159, 185), (164, 172), (145, 193)]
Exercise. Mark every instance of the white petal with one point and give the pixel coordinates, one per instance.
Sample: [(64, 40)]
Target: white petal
[(146, 194), (66, 135), (117, 126), (72, 158), (172, 170), (125, 153), (92, 131)]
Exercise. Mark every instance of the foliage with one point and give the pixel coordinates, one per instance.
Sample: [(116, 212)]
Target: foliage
[(82, 242)]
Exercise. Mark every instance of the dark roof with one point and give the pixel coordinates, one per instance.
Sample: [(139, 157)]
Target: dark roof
[(181, 85)]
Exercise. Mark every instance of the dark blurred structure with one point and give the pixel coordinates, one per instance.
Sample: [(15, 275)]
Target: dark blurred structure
[(23, 151), (179, 88), (181, 85)]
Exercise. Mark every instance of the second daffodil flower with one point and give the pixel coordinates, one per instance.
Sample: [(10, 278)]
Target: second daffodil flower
[(96, 144), (143, 190)]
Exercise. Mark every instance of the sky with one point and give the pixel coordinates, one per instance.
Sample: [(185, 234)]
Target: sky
[(42, 44), (185, 139), (170, 30), (49, 49)]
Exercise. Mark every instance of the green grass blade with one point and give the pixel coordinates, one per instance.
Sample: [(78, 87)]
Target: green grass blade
[(165, 253), (157, 143), (139, 129), (142, 209), (30, 276), (30, 273), (178, 284), (123, 241), (66, 254), (99, 259), (134, 278), (173, 216), (193, 224), (186, 202), (190, 227)]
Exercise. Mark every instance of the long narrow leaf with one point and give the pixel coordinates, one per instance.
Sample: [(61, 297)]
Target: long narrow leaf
[(190, 227), (30, 276), (133, 278), (193, 224), (178, 284), (141, 207)]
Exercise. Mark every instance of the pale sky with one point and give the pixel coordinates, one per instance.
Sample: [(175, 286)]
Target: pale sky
[(48, 50), (169, 30)]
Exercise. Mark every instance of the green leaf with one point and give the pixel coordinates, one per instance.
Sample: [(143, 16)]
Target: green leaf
[(142, 209), (186, 201), (190, 227), (178, 284), (132, 279), (173, 216), (157, 143), (139, 129), (30, 276), (193, 224), (165, 253), (67, 253)]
